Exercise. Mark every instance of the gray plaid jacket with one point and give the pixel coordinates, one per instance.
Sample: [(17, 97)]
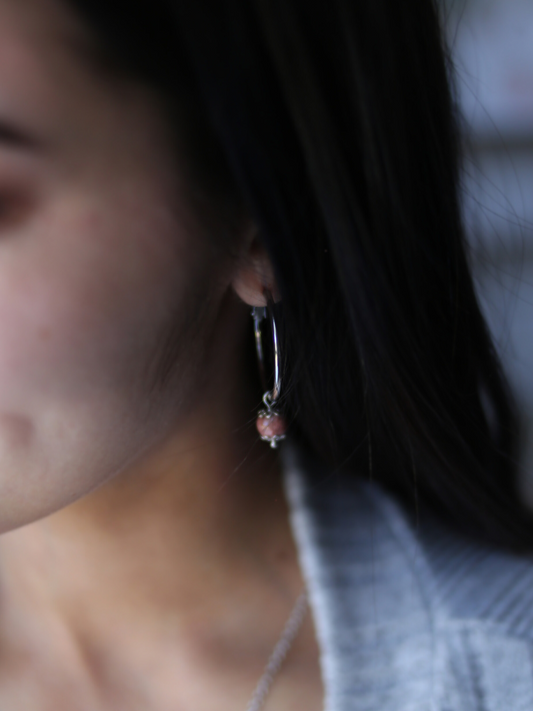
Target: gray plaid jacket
[(407, 620)]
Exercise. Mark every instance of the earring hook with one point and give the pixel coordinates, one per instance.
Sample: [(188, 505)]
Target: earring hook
[(270, 423), (260, 313)]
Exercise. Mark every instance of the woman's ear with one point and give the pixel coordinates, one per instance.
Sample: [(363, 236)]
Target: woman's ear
[(254, 274)]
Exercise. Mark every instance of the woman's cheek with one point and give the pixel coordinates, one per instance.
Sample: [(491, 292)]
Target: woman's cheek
[(89, 289), (69, 414), (50, 336), (79, 307)]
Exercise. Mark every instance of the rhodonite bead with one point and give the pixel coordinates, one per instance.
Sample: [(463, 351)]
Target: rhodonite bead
[(273, 426)]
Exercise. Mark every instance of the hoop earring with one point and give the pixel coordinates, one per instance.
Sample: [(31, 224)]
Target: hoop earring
[(270, 422)]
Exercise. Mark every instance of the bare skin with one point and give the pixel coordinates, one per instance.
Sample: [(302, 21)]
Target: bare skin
[(146, 560)]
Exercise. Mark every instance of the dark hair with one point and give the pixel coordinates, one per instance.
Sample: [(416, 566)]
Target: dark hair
[(334, 124)]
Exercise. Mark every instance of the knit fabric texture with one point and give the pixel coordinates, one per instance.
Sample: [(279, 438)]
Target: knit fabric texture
[(408, 618)]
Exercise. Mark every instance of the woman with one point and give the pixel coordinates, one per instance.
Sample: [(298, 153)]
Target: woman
[(165, 168)]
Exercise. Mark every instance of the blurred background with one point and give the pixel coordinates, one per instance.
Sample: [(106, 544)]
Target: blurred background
[(491, 42)]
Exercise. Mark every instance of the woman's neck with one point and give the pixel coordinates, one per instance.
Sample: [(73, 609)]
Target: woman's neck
[(196, 522), (187, 555)]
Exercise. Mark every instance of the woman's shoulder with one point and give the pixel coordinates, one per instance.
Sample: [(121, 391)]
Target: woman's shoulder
[(408, 611)]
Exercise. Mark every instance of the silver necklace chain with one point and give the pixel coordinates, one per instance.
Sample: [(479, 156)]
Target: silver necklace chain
[(279, 653)]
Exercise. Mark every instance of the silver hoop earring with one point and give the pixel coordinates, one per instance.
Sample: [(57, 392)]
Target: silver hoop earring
[(271, 424)]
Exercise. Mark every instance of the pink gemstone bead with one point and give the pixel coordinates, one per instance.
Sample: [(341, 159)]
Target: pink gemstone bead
[(271, 426)]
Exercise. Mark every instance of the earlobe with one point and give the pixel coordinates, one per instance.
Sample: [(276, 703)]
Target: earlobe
[(254, 276)]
